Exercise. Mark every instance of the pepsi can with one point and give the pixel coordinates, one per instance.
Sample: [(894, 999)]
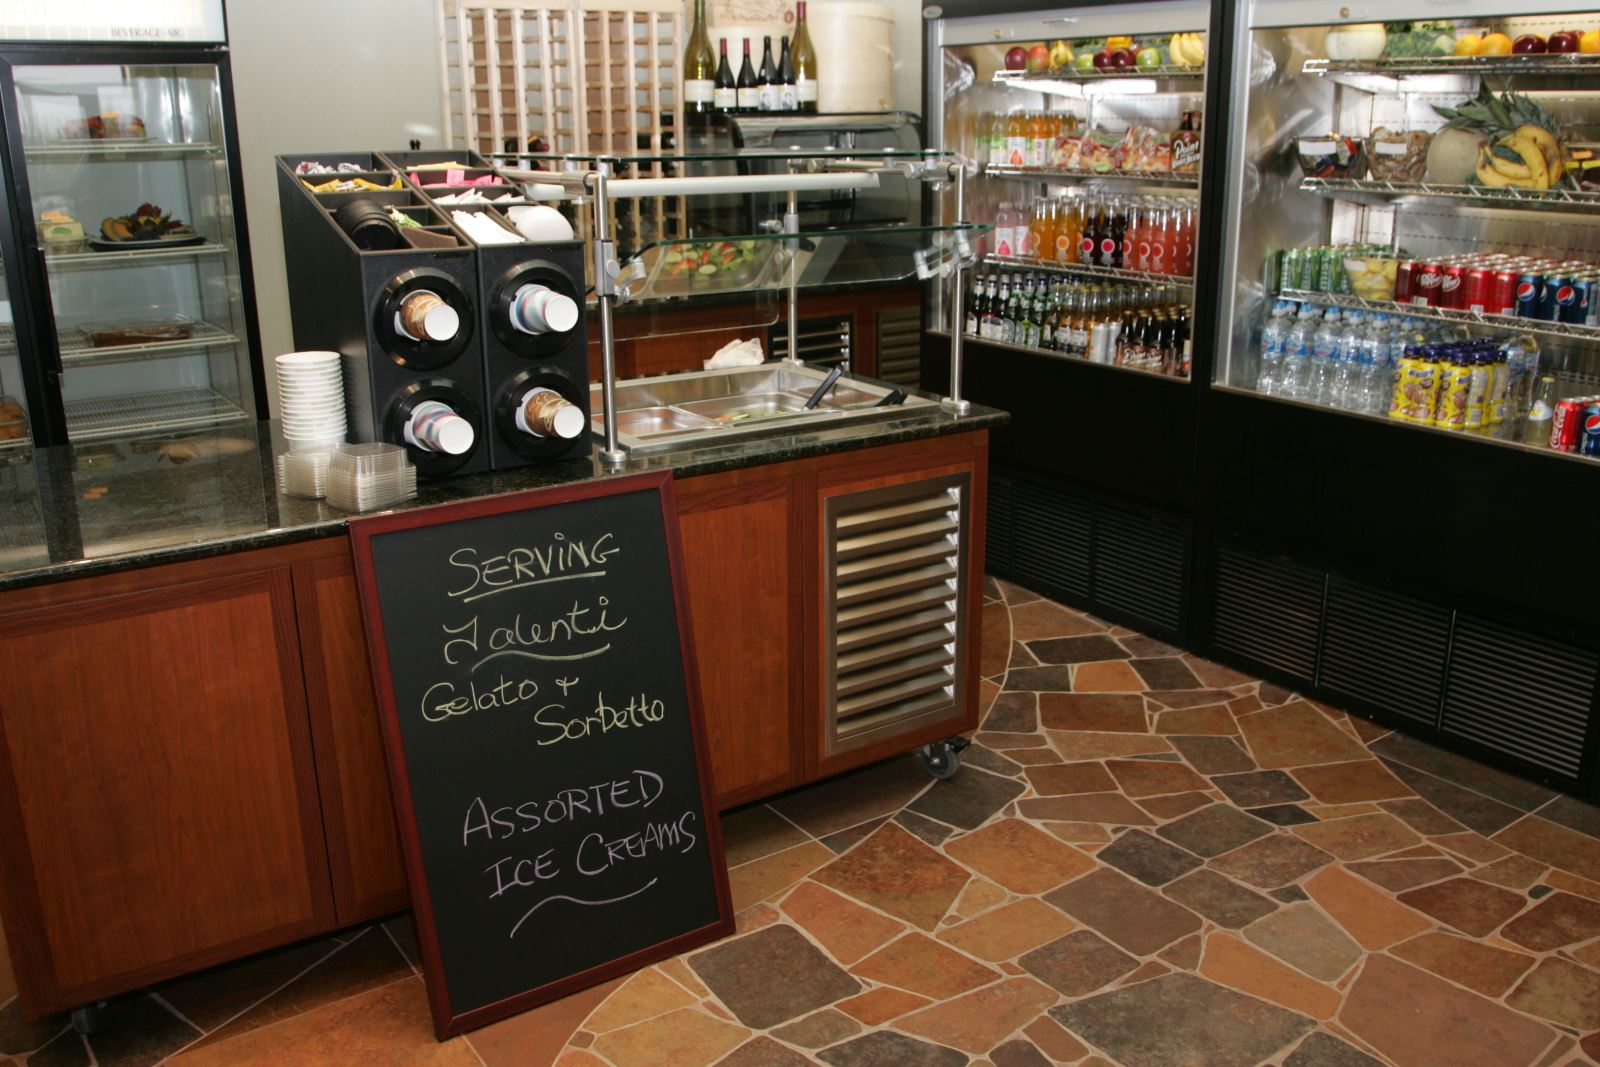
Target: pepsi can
[(1530, 295), (1577, 309), (1589, 429), (1556, 287)]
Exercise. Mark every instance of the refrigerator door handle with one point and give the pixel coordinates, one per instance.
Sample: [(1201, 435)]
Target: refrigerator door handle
[(49, 341)]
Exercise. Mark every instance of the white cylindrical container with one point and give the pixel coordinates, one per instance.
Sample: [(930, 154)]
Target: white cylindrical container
[(854, 40)]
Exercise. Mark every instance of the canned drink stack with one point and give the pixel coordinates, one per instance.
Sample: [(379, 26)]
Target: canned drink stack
[(1565, 429)]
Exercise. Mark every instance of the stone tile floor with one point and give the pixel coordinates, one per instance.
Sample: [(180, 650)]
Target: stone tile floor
[(1146, 860)]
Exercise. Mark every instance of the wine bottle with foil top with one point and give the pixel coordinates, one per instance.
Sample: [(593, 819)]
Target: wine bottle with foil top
[(805, 63), (725, 94), (749, 90), (786, 91), (699, 66)]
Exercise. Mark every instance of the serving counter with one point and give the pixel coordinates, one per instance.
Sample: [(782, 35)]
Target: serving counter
[(190, 761)]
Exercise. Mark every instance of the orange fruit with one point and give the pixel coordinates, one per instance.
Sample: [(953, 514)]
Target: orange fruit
[(1589, 42), (1494, 44), (1468, 45)]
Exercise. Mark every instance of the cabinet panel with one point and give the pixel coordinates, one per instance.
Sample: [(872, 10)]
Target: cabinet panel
[(157, 801), (738, 553), (369, 876)]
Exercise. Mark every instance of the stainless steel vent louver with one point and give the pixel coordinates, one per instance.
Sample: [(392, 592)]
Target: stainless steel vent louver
[(896, 580), (824, 340), (900, 346), (1520, 693), (1268, 611)]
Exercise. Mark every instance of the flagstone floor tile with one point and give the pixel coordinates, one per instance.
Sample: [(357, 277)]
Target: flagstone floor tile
[(1018, 856), (1215, 830), (1324, 1050), (1482, 968), (1220, 899), (919, 964), (1134, 917), (844, 928), (969, 799), (1149, 859), (1298, 735), (977, 1021), (1304, 938), (1079, 963), (1400, 875), (740, 972), (884, 1048), (1272, 861), (1468, 905), (1344, 783), (1561, 991), (1359, 837), (1214, 755), (896, 873), (1009, 931)]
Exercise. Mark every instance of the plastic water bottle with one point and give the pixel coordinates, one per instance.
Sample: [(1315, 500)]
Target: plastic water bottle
[(1296, 374), (1375, 389), (1347, 361), (1274, 337), (1324, 355)]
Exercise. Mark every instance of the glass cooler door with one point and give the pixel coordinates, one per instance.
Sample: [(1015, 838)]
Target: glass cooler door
[(128, 184), (16, 431), (1415, 206), (1088, 132)]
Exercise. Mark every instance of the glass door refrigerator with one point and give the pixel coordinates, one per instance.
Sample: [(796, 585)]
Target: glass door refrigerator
[(129, 296)]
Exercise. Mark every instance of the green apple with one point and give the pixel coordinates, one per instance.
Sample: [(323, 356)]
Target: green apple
[(1147, 57), (1084, 61)]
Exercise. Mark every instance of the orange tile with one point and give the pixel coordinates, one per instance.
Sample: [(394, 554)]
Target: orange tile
[(1233, 963), (978, 1021), (1479, 967), (577, 1058), (1111, 676), (846, 929), (979, 896), (1573, 884), (1041, 618), (763, 878), (1360, 837), (1054, 1041), (1076, 745), (646, 994), (881, 1004), (1018, 856), (541, 1033), (919, 964), (1210, 720), (1471, 846), (898, 873), (1080, 833), (1554, 844), (1344, 783), (1374, 919), (1145, 778), (1008, 932), (754, 918), (679, 972), (388, 1025), (688, 1037), (1330, 812)]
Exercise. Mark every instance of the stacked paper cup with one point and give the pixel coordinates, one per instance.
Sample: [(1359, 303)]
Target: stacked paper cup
[(311, 400)]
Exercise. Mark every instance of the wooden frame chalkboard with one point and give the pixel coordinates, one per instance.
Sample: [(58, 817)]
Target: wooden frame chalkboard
[(547, 763)]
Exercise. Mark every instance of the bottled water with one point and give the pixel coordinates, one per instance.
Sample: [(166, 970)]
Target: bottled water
[(1376, 386), (1296, 373), (1324, 355), (1346, 388), (1274, 337)]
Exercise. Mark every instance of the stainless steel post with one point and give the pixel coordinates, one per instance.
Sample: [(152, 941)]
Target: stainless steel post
[(953, 317), (791, 224), (605, 290)]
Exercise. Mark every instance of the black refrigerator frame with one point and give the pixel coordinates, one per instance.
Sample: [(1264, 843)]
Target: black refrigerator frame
[(23, 257)]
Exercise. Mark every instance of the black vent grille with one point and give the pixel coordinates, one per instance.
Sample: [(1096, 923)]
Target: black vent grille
[(1138, 567), (1385, 650), (1051, 540), (1520, 694), (900, 346), (1268, 611), (1000, 531), (824, 339)]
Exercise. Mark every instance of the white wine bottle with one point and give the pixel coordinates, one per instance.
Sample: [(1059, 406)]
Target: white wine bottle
[(699, 66), (805, 63)]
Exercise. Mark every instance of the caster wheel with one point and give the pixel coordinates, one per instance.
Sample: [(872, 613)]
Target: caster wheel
[(86, 1020), (941, 759)]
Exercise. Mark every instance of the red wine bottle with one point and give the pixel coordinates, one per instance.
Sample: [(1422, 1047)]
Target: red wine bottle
[(749, 90), (725, 94)]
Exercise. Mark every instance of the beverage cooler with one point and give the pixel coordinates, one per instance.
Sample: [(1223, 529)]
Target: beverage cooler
[(129, 306)]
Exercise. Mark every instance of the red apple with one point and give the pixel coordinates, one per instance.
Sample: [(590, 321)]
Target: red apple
[(1102, 59), (1565, 41), (1528, 44), (1123, 58), (1016, 58), (1039, 57)]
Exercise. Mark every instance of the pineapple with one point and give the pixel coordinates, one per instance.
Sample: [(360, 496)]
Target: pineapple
[(1522, 146)]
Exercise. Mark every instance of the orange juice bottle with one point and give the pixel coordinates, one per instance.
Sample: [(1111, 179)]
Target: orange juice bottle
[(1044, 228), (1043, 142), (1017, 140), (1069, 230)]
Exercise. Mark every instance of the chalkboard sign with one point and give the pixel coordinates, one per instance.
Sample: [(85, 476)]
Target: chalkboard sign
[(541, 715)]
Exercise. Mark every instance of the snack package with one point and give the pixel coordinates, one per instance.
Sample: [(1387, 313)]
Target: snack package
[(1144, 148), (1099, 151), (1068, 151)]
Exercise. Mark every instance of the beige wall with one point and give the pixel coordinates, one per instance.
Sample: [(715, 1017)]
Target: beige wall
[(314, 76)]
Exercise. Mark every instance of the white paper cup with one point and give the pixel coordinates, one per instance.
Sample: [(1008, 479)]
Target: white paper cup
[(435, 427), (538, 309)]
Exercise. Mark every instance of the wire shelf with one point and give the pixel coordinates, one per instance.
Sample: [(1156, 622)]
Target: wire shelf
[(1131, 177), (76, 351), (1087, 271), (15, 444), (1166, 71), (168, 410), (138, 149), (91, 260), (1546, 64), (1374, 191), (1568, 331)]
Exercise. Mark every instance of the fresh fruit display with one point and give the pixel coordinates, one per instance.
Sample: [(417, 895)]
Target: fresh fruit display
[(147, 223), (1468, 44), (1494, 44), (1589, 42), (1522, 143), (1528, 44), (1332, 156), (1563, 43), (1038, 58), (1016, 58), (1187, 49), (1412, 40), (108, 126), (1061, 55)]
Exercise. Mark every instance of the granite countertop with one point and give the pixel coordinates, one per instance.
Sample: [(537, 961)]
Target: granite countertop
[(73, 511)]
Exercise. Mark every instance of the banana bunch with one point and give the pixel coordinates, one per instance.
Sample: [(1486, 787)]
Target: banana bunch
[(1529, 157), (1187, 49)]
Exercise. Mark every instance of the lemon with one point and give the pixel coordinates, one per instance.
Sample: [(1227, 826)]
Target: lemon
[(1494, 44), (1468, 45), (1589, 43)]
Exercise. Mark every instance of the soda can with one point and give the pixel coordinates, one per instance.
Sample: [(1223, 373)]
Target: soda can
[(1555, 284), (1530, 295), (1565, 428), (1480, 288), (1405, 281), (1503, 293), (1589, 435), (1289, 278), (1425, 292), (1452, 287), (1579, 306), (1326, 257)]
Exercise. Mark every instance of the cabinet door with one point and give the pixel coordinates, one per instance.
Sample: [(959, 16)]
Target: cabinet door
[(739, 530), (369, 878), (158, 806)]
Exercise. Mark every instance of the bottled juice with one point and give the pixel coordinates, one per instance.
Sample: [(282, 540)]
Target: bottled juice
[(1183, 243), (998, 124), (1069, 230), (1042, 131), (1160, 229), (1017, 140), (1005, 236)]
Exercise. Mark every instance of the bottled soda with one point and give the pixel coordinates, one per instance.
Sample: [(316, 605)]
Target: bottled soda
[(1005, 235)]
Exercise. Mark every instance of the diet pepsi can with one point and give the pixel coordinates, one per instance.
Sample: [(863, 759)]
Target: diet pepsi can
[(1530, 296)]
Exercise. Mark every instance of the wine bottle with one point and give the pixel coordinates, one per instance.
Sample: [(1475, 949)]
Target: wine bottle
[(699, 65), (805, 63), (786, 96), (724, 95), (749, 90), (767, 78)]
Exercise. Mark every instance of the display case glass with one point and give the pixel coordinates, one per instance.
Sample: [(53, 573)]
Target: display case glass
[(1416, 207), (1087, 132), (16, 432), (128, 182)]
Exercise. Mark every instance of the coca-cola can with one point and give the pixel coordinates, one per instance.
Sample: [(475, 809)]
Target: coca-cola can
[(1566, 424), (1425, 285), (1405, 281), (1503, 294), (1452, 287), (1480, 290)]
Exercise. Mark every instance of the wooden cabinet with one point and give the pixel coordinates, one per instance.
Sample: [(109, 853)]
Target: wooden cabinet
[(158, 802)]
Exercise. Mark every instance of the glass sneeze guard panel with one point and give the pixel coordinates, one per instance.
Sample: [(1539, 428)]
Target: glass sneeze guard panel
[(582, 161), (16, 430), (129, 186)]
